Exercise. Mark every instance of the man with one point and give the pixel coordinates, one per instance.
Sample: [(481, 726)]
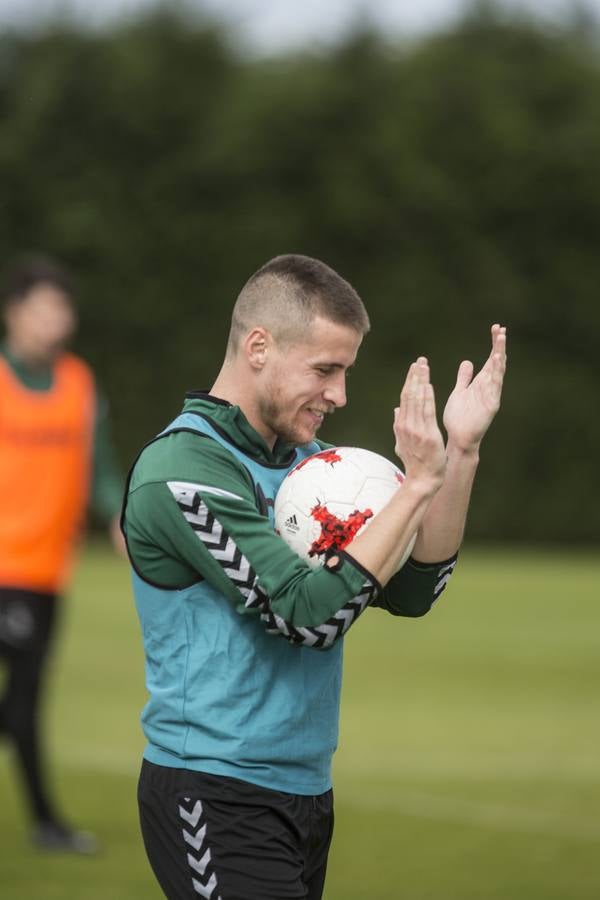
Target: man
[(53, 446), (235, 791)]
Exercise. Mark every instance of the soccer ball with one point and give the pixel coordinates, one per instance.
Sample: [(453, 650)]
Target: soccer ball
[(328, 499)]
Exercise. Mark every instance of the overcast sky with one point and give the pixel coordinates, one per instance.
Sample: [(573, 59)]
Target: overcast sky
[(273, 25)]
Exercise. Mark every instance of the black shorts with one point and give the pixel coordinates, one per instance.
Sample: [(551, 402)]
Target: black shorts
[(221, 838)]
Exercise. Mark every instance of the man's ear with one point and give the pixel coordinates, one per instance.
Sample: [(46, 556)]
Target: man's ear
[(256, 347)]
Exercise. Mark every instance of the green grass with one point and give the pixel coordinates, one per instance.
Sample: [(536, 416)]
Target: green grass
[(468, 766)]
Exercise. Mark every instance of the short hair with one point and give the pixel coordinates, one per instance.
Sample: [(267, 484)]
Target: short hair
[(287, 293), (31, 271)]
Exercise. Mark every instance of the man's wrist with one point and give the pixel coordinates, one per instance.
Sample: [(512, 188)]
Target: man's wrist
[(422, 487), (467, 453)]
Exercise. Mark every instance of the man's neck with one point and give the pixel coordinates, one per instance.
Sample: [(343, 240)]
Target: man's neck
[(24, 359), (35, 377), (235, 387)]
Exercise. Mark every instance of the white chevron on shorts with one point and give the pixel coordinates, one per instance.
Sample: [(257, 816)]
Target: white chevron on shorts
[(192, 817), (195, 840), (205, 888), (199, 865), (444, 574)]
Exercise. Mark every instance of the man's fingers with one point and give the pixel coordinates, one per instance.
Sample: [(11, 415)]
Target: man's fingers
[(413, 377), (412, 413), (498, 340), (496, 363), (411, 396), (420, 389), (429, 405), (415, 421), (464, 375), (499, 361)]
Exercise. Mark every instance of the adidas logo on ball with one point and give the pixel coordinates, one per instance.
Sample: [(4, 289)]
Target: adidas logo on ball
[(291, 524)]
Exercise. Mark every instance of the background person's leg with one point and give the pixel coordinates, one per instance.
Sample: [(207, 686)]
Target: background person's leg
[(27, 625)]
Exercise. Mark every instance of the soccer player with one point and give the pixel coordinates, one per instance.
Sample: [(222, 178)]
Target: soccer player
[(243, 640), (53, 446)]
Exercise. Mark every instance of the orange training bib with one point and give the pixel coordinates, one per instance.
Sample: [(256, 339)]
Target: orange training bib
[(46, 440)]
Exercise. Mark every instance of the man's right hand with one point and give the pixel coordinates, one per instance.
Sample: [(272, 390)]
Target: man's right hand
[(419, 444), (419, 441)]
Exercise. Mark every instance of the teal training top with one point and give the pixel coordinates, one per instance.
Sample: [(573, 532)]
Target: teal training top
[(243, 640)]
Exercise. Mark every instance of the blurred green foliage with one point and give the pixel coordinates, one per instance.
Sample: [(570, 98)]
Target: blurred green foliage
[(455, 183)]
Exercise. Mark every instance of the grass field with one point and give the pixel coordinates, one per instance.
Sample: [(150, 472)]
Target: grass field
[(469, 763)]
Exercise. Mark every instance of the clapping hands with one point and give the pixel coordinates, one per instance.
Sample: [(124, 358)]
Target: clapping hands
[(475, 401)]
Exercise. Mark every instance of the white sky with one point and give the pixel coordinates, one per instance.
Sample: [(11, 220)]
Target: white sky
[(273, 25)]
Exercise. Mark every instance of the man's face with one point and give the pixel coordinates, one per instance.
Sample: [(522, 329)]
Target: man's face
[(39, 326), (305, 381)]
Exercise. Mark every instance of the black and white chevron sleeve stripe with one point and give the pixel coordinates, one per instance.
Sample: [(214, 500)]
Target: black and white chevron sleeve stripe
[(322, 637), (238, 569)]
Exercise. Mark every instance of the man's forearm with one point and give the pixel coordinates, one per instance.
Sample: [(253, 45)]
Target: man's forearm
[(442, 529), (380, 547)]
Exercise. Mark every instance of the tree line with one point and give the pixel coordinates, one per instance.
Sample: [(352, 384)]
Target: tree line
[(455, 182)]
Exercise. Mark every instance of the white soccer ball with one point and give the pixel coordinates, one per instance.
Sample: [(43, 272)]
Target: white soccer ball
[(329, 498)]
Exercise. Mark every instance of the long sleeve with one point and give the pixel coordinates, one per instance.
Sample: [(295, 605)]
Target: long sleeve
[(197, 518), (415, 587)]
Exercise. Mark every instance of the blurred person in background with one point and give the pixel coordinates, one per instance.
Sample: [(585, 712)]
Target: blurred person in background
[(55, 457), (243, 640)]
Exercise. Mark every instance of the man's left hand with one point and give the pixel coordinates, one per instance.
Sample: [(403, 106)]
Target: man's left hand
[(475, 401)]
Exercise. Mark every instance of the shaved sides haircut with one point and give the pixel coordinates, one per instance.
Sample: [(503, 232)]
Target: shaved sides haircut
[(285, 296)]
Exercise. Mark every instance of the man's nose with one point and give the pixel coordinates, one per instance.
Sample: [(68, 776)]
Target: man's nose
[(335, 393)]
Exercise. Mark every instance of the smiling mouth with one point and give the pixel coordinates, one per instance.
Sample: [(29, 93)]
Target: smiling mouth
[(317, 416)]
